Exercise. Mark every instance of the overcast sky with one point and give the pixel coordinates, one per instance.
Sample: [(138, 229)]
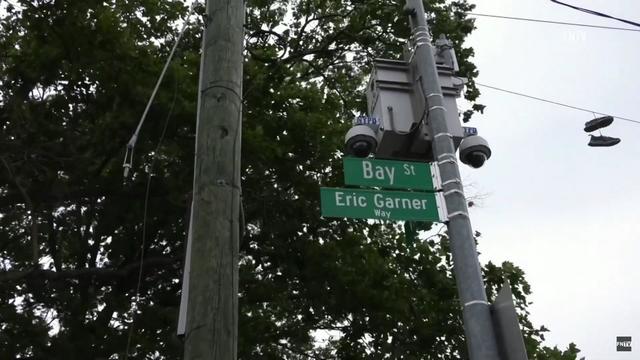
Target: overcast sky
[(564, 212)]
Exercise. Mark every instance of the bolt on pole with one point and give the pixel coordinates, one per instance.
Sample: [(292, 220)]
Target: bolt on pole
[(211, 330), (478, 326)]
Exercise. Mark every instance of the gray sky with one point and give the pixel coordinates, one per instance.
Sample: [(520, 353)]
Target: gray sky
[(564, 212)]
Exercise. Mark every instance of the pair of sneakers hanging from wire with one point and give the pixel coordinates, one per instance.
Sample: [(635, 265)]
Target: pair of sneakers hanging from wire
[(600, 140)]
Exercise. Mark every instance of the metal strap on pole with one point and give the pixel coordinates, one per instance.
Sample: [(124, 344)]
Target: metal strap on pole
[(452, 181), (454, 191)]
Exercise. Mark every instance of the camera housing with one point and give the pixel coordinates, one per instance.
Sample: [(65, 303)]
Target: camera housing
[(474, 151), (360, 141)]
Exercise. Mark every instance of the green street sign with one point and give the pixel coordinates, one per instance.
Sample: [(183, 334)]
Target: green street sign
[(388, 174), (375, 204)]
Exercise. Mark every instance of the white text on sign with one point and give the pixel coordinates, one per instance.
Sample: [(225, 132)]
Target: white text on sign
[(384, 172), (381, 201)]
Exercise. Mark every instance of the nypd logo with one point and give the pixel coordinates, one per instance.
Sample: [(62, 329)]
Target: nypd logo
[(366, 120)]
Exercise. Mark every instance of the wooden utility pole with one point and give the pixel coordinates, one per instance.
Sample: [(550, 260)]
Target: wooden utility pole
[(212, 312)]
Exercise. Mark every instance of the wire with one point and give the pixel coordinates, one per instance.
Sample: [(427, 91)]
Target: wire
[(128, 156), (145, 211), (553, 22), (592, 12), (556, 103)]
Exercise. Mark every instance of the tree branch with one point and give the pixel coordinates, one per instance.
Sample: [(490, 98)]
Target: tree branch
[(35, 247), (98, 273), (46, 196), (298, 352)]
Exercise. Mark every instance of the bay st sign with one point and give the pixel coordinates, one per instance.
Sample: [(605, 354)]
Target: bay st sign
[(388, 174), (375, 204)]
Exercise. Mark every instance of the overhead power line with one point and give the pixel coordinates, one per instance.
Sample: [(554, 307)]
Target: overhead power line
[(592, 12), (552, 22), (128, 156), (557, 103)]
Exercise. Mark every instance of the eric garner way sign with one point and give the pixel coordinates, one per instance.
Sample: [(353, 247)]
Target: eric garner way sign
[(388, 173), (375, 204)]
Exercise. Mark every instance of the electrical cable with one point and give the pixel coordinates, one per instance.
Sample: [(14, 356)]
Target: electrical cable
[(128, 156), (556, 103), (592, 12), (552, 22), (150, 173)]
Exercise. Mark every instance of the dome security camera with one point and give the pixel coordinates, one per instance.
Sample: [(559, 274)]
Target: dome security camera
[(360, 141), (474, 151)]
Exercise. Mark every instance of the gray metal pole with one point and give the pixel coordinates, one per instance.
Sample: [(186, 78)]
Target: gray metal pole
[(478, 327), (212, 313)]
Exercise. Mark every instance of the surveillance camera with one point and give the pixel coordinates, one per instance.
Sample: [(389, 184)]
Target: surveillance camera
[(474, 151), (360, 141)]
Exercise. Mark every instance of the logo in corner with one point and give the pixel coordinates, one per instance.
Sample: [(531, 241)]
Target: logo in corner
[(623, 343)]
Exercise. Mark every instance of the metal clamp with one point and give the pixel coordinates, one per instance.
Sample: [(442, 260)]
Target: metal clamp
[(421, 36), (451, 160), (476, 302), (423, 27), (433, 94), (453, 192), (438, 107), (422, 30), (443, 134), (452, 181), (458, 213)]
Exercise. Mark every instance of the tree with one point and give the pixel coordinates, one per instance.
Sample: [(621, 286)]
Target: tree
[(75, 78), (73, 82)]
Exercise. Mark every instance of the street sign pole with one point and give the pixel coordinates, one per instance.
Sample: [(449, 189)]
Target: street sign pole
[(478, 327)]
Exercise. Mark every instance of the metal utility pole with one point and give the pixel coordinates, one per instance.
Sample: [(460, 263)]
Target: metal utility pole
[(478, 327), (212, 312)]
